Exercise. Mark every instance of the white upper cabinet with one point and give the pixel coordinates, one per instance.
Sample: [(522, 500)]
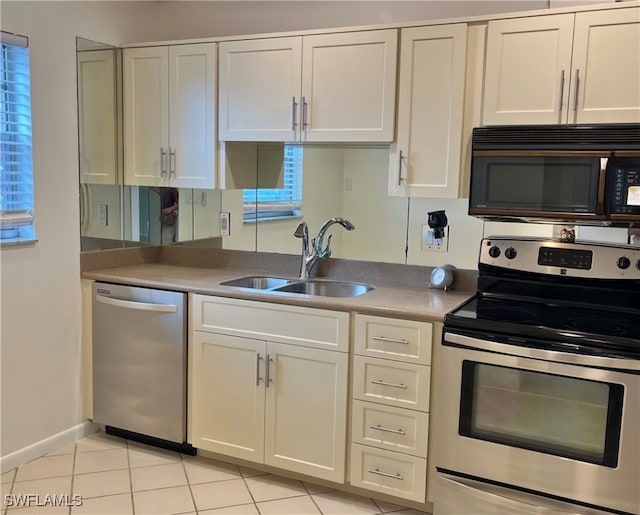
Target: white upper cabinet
[(527, 70), (606, 57), (259, 89), (425, 161), (97, 117), (322, 88), (170, 115), (567, 68)]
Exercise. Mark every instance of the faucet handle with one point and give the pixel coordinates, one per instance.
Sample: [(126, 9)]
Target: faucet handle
[(326, 252), (302, 231)]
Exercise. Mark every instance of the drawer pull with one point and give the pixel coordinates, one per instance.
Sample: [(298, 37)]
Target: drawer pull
[(390, 340), (384, 383), (388, 429), (386, 474)]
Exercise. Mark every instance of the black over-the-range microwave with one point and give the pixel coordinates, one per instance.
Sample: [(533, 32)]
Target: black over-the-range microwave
[(585, 174)]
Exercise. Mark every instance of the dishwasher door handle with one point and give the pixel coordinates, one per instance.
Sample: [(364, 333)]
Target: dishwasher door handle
[(143, 306)]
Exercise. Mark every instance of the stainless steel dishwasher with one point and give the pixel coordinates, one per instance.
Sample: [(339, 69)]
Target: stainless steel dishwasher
[(140, 363)]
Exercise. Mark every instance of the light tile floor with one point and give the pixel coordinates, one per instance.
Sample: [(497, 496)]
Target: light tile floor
[(115, 476)]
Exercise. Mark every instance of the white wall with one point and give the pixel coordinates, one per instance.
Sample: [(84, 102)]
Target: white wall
[(40, 284)]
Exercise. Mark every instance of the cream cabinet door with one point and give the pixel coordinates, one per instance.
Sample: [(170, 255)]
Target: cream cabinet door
[(425, 161), (305, 427), (606, 63), (146, 116), (227, 395), (349, 86), (192, 115), (260, 89), (97, 117), (527, 74)]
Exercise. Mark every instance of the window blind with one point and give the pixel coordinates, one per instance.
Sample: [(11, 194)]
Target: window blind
[(269, 203), (16, 165)]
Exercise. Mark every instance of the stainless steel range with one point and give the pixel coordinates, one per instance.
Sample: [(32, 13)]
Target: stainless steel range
[(540, 391)]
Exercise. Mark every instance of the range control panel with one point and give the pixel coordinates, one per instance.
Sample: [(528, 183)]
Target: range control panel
[(553, 257)]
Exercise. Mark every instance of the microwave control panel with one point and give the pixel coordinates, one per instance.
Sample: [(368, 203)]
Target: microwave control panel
[(625, 189)]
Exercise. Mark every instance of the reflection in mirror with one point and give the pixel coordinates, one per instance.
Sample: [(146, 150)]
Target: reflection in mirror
[(348, 182), (168, 215)]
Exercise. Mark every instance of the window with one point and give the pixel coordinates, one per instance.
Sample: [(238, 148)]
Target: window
[(274, 203), (16, 165)]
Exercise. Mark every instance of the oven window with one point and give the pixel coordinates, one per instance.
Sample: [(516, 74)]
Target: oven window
[(558, 415)]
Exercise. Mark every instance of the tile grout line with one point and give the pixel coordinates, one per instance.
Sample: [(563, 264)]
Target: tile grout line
[(246, 485), (133, 503), (73, 473), (186, 476)]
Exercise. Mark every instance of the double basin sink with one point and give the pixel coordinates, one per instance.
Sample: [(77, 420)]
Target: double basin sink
[(314, 287)]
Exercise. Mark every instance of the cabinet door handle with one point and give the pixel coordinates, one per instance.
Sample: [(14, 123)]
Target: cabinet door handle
[(378, 427), (172, 162), (577, 90), (258, 378), (294, 113), (386, 474), (304, 113), (268, 370), (384, 383), (163, 161), (390, 340), (400, 169), (561, 90)]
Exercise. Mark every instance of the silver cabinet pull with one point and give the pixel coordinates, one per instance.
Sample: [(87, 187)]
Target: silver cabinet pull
[(163, 161), (561, 89), (294, 113), (378, 427), (400, 169), (172, 162), (386, 474), (258, 378), (304, 113), (384, 383), (390, 340), (268, 371), (575, 100)]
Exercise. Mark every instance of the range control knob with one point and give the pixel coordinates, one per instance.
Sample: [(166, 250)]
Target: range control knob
[(494, 252), (638, 264), (510, 253), (623, 262)]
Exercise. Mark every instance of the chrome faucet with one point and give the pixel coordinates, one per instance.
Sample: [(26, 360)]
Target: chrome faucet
[(311, 253)]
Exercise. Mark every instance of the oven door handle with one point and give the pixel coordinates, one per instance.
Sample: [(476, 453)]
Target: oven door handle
[(627, 365)]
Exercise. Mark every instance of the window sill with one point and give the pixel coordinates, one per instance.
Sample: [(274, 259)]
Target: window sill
[(17, 242)]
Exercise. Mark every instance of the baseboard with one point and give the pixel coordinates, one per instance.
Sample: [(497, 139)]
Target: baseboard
[(46, 446)]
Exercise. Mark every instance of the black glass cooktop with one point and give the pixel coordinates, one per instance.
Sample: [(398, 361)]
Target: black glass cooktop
[(516, 320)]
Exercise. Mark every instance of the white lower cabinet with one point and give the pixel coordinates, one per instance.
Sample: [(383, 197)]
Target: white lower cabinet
[(257, 395), (390, 407)]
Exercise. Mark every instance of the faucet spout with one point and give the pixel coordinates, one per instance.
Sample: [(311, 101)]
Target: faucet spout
[(326, 251)]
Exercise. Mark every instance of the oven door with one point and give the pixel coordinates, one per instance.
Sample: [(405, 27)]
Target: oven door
[(560, 424)]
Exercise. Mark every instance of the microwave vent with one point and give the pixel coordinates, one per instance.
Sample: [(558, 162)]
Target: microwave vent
[(562, 137)]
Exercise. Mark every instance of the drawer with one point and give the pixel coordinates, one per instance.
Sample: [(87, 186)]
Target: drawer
[(387, 427), (404, 385), (389, 472), (309, 327), (403, 340)]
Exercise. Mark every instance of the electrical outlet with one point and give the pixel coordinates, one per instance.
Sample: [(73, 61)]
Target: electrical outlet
[(225, 223), (431, 244)]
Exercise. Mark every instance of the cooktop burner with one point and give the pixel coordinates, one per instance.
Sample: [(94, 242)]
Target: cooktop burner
[(583, 294)]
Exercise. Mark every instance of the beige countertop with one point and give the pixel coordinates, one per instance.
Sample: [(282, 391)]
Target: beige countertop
[(417, 302)]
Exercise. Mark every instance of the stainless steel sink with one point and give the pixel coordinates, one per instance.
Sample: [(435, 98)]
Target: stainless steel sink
[(326, 288), (257, 282), (309, 287)]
